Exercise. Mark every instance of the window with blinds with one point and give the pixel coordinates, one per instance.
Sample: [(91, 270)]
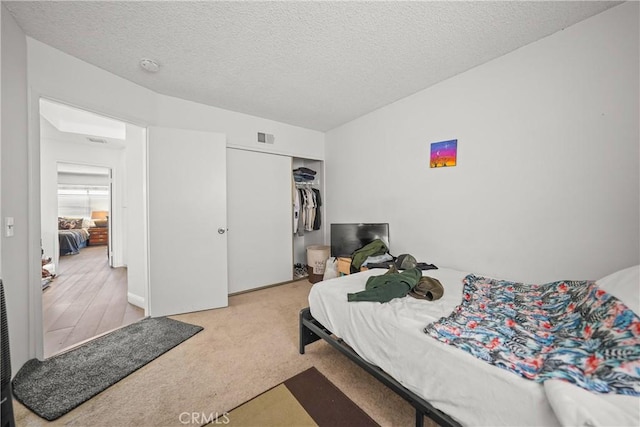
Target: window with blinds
[(78, 201)]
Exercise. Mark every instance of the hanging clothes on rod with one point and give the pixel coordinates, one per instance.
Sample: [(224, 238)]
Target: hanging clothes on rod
[(309, 208), (318, 201), (306, 212)]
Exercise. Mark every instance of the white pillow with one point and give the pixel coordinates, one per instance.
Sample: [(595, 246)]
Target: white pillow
[(624, 285), (575, 406)]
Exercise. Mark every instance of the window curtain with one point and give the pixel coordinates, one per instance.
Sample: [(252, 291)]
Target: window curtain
[(78, 201)]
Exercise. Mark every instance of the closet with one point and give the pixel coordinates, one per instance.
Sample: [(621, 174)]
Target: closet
[(316, 237), (262, 247)]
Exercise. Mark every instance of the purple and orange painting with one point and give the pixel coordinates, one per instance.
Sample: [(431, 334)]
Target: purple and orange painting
[(444, 154)]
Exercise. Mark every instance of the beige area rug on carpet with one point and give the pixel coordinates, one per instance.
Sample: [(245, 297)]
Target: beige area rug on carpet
[(307, 399)]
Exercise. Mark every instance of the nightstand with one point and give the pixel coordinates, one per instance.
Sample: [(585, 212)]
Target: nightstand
[(98, 236)]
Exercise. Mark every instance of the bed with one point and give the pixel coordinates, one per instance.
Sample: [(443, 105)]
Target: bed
[(451, 386), (73, 235)]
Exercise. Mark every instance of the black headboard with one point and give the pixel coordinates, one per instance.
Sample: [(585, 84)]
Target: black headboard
[(347, 238)]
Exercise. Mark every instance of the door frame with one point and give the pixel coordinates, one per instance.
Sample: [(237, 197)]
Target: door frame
[(34, 231)]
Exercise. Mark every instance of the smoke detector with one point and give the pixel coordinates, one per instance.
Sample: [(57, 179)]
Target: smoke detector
[(149, 65)]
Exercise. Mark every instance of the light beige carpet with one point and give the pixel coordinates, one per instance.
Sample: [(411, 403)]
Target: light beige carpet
[(243, 350)]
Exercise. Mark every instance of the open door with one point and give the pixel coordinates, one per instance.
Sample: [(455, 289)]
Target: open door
[(187, 221)]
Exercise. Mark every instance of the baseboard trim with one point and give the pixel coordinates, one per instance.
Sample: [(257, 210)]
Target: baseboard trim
[(267, 286), (136, 300)]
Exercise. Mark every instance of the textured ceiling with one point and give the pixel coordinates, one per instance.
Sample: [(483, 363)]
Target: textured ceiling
[(307, 63)]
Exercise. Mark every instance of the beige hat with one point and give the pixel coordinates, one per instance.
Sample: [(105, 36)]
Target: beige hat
[(427, 288)]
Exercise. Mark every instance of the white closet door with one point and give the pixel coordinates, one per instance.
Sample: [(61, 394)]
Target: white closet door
[(187, 208), (259, 212)]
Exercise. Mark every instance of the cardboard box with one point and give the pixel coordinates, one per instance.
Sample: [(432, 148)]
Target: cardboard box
[(344, 265)]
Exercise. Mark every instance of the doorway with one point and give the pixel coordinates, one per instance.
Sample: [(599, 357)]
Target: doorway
[(87, 164)]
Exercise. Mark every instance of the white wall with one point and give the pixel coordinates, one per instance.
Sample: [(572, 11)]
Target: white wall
[(241, 129), (62, 77), (135, 212), (14, 258), (547, 182)]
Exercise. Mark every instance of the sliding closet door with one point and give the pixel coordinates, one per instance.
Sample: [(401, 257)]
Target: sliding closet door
[(187, 221), (260, 219)]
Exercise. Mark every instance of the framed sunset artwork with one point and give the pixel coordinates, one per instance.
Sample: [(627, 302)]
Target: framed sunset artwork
[(444, 154)]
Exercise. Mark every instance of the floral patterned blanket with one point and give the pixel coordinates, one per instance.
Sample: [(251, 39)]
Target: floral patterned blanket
[(569, 330)]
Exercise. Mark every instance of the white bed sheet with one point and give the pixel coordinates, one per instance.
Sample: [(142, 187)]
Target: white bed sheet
[(391, 336)]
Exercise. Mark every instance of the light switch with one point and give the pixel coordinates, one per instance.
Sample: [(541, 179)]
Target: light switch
[(8, 226)]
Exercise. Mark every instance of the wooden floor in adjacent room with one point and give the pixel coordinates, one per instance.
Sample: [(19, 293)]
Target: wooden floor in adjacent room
[(87, 298)]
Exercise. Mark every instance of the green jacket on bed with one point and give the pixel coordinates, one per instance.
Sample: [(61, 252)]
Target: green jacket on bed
[(388, 286)]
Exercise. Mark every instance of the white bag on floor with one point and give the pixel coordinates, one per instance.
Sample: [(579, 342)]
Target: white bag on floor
[(331, 268)]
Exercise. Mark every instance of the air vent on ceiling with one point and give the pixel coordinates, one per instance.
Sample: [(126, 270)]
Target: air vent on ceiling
[(266, 138), (97, 140)]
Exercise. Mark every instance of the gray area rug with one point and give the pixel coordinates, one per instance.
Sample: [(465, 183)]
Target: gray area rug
[(54, 387)]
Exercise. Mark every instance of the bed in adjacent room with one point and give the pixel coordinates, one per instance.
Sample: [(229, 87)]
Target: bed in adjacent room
[(73, 235), (414, 346)]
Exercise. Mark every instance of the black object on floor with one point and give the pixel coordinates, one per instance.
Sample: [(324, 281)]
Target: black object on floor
[(6, 396), (54, 387)]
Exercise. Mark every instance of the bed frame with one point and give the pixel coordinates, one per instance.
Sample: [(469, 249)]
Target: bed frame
[(311, 331)]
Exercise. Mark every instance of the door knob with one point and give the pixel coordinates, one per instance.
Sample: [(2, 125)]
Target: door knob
[(221, 230)]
